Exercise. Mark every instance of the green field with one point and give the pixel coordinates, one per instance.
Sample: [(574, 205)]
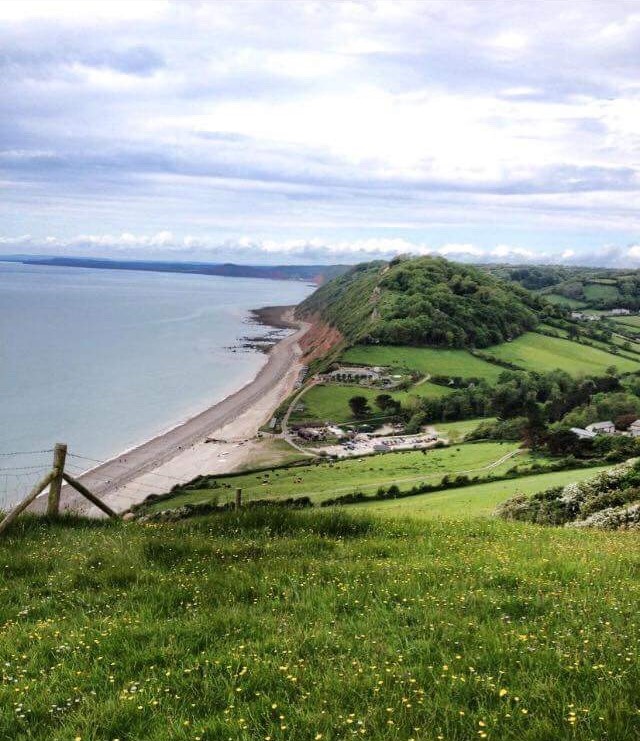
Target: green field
[(322, 625), (601, 291), (366, 474), (558, 299), (474, 501), (629, 321), (537, 352), (427, 360), (330, 403), (455, 431)]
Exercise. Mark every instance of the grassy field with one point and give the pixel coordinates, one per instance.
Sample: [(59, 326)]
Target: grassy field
[(455, 431), (474, 501), (629, 321), (425, 360), (557, 298), (366, 474), (601, 290), (281, 625), (331, 403), (534, 351)]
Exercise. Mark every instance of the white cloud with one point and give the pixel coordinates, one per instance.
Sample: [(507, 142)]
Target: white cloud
[(376, 124)]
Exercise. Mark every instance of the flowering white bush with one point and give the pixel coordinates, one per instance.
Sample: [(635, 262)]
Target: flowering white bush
[(611, 518)]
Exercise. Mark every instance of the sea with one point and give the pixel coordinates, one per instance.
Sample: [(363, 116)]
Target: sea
[(106, 359)]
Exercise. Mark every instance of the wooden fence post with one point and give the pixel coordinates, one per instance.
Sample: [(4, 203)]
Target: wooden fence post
[(59, 458), (39, 487), (238, 498)]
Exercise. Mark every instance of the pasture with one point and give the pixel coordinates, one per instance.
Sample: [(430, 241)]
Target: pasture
[(327, 479), (629, 321), (330, 403), (456, 431), (425, 360), (601, 291), (560, 300), (324, 625), (479, 500), (536, 352)]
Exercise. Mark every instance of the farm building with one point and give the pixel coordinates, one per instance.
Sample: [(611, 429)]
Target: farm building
[(310, 433), (602, 428), (583, 434), (619, 312), (354, 373), (634, 428)]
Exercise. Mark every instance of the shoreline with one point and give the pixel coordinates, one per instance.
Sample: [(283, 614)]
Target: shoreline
[(182, 452)]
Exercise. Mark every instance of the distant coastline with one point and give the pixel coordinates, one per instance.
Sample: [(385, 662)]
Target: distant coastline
[(316, 274)]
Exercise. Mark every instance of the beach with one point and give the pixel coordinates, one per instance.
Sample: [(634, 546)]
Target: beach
[(217, 440)]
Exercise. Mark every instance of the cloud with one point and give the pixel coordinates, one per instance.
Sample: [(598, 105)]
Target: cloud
[(165, 245), (424, 122)]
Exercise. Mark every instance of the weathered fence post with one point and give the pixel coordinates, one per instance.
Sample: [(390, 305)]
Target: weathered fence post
[(238, 498), (59, 458)]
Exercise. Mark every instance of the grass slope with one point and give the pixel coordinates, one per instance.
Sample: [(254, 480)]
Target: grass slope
[(474, 501), (277, 625), (331, 403), (601, 291), (366, 474), (537, 352), (429, 361), (629, 321), (558, 299), (455, 431)]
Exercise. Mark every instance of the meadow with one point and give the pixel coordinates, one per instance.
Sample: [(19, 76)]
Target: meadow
[(330, 403), (274, 625), (629, 321), (559, 299), (456, 431), (537, 352), (479, 500), (326, 479), (601, 291), (426, 360)]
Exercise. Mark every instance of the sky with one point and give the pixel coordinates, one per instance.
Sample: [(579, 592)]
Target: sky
[(321, 131)]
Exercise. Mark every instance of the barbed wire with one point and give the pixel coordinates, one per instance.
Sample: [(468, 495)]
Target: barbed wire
[(26, 452)]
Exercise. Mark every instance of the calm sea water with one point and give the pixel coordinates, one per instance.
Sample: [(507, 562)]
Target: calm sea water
[(105, 359)]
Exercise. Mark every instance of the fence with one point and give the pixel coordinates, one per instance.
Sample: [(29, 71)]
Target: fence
[(54, 479)]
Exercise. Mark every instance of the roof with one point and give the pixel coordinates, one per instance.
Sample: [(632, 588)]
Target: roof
[(635, 424), (582, 433), (600, 425)]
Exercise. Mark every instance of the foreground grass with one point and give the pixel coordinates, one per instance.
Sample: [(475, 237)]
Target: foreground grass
[(537, 352), (279, 625), (425, 360), (328, 479)]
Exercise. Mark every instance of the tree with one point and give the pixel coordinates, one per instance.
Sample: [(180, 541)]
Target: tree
[(359, 406), (385, 401)]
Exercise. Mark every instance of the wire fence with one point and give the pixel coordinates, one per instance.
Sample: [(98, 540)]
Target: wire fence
[(21, 470)]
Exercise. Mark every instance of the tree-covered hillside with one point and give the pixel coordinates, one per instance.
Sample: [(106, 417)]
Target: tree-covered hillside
[(424, 301)]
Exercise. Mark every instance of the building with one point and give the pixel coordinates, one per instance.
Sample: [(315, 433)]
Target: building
[(619, 312), (634, 428), (602, 428), (355, 373), (310, 433), (583, 434)]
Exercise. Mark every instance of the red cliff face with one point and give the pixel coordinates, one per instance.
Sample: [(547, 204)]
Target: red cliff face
[(320, 339)]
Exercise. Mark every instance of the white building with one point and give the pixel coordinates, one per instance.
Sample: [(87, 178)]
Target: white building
[(583, 434), (634, 428), (353, 373), (602, 428), (619, 312)]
